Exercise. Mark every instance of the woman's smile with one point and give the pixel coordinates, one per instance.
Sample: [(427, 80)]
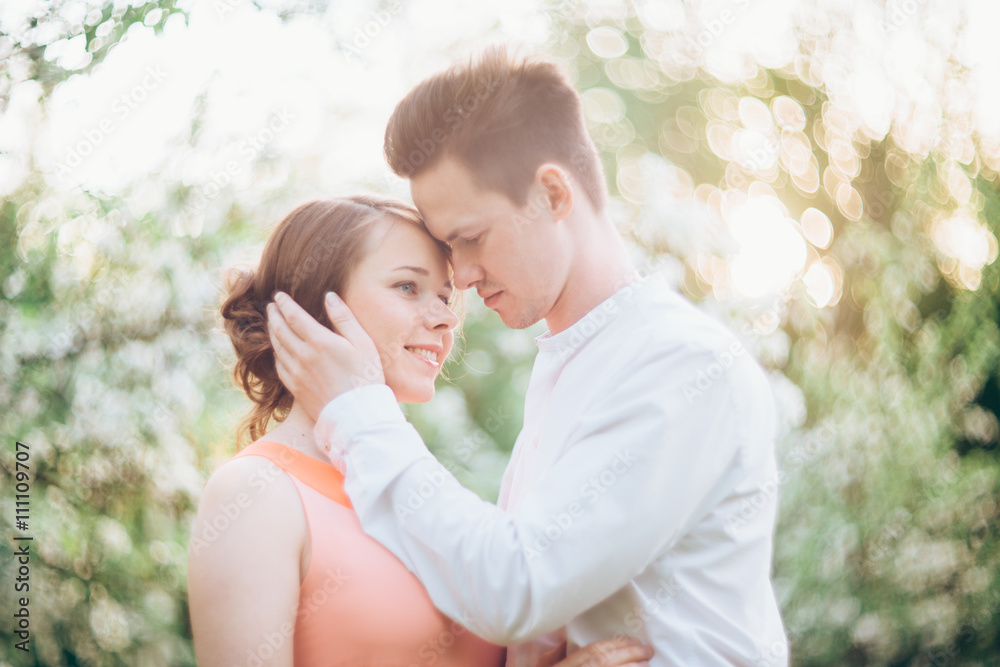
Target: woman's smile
[(425, 356)]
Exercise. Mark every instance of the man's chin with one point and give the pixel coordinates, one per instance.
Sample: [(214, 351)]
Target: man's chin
[(517, 320)]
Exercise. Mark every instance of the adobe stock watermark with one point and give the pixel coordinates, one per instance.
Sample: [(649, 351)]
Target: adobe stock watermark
[(121, 108), (899, 519), (624, 288), (968, 631), (475, 441), (531, 212), (453, 117), (223, 7), (249, 147), (319, 255), (635, 620), (272, 642), (898, 13), (769, 656), (706, 377), (724, 359), (433, 480), (817, 441), (432, 650), (230, 512), (650, 605), (365, 35), (591, 489), (713, 29), (760, 157), (537, 207)]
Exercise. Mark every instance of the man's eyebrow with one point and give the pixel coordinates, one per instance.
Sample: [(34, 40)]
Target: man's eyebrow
[(422, 271)]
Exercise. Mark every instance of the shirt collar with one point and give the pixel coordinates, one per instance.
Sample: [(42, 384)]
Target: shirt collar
[(598, 318)]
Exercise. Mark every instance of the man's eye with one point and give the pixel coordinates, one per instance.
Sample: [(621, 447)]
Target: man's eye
[(474, 240), (445, 299)]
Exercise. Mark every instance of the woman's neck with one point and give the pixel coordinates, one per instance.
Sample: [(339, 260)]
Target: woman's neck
[(297, 432)]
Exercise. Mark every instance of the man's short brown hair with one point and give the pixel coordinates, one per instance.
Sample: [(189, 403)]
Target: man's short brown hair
[(502, 117)]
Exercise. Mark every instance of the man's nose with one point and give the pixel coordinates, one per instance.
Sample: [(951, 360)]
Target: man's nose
[(465, 273)]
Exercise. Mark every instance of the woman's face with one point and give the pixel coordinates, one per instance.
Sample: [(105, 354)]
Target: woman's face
[(398, 294)]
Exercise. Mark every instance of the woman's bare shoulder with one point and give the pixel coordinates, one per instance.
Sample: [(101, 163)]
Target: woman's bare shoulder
[(250, 497), (251, 475)]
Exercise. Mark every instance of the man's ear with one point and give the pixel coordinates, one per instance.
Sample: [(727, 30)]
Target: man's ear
[(553, 189)]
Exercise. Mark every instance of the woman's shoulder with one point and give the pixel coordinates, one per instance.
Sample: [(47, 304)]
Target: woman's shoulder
[(253, 477), (255, 489), (244, 554)]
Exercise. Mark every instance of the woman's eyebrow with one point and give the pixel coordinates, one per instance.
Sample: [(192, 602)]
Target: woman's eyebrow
[(416, 269)]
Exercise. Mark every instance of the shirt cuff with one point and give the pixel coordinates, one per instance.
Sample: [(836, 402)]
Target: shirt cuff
[(345, 416)]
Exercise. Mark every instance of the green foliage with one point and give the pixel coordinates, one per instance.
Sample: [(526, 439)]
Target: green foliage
[(887, 551), (100, 29)]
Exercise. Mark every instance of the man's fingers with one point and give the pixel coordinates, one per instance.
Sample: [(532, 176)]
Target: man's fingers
[(284, 374), (298, 321), (345, 323), (315, 363), (288, 347), (620, 641), (619, 657), (617, 652), (552, 656), (277, 330)]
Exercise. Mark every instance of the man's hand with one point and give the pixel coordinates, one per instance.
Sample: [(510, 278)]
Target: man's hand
[(620, 651), (315, 364)]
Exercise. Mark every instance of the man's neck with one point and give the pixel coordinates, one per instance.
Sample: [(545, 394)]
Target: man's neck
[(600, 269)]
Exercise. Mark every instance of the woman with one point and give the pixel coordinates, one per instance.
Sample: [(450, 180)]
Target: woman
[(279, 570)]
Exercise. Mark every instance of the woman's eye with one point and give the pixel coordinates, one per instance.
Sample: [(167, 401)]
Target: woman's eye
[(474, 240), (412, 286), (445, 299)]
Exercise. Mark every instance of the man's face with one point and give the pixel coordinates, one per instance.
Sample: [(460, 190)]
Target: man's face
[(517, 258)]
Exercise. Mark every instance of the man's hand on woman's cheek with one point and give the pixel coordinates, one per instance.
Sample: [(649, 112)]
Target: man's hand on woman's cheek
[(316, 364)]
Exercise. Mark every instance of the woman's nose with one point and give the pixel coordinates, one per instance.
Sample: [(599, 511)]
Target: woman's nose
[(440, 317)]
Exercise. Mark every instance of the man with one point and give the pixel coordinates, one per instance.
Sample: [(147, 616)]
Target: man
[(633, 503)]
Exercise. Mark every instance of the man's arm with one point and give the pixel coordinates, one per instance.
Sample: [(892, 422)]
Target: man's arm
[(642, 468), (643, 465)]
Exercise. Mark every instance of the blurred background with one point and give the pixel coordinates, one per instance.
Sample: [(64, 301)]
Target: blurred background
[(821, 175)]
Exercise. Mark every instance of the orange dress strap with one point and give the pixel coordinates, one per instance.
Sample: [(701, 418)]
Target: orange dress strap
[(321, 476)]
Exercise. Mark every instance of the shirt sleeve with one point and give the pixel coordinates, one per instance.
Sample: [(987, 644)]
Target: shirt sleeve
[(652, 454)]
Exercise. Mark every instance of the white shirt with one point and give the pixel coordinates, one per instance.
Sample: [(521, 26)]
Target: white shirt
[(640, 497)]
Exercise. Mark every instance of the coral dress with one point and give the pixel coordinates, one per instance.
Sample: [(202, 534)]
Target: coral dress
[(358, 604)]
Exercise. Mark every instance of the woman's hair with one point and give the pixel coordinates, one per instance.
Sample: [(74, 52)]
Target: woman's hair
[(314, 250)]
